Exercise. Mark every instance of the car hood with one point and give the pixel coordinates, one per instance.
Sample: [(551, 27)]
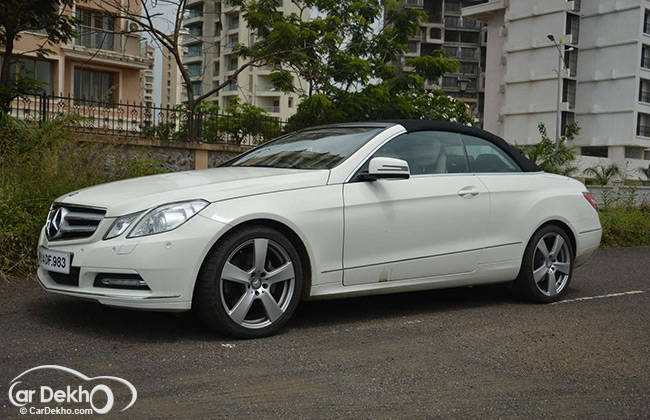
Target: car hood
[(137, 194)]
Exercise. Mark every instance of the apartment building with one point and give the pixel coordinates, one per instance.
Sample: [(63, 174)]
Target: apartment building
[(103, 63), (147, 76), (214, 28), (462, 38), (605, 73), (172, 82)]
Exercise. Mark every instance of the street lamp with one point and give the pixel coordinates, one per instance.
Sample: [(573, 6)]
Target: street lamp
[(463, 84), (560, 62)]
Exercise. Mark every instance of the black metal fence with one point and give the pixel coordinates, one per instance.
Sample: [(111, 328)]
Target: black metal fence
[(131, 120)]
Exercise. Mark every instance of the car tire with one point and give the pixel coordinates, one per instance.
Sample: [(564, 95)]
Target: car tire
[(224, 292), (547, 266)]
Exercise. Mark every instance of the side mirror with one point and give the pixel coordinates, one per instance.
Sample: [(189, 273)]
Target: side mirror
[(385, 167)]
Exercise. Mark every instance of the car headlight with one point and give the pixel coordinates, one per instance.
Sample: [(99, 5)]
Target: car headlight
[(167, 217), (121, 224)]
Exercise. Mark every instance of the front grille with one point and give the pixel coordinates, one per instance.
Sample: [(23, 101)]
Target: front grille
[(71, 279), (65, 222)]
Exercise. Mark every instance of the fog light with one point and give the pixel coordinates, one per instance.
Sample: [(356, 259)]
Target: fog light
[(120, 281)]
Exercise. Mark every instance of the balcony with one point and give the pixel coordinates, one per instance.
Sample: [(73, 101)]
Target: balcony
[(96, 42), (271, 108), (414, 3)]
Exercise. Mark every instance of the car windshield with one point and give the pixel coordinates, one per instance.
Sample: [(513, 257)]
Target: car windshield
[(322, 148)]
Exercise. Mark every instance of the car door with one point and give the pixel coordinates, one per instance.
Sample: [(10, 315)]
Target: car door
[(431, 224), (511, 192)]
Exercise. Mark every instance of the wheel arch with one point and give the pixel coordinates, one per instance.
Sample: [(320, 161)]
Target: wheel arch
[(283, 228), (562, 225)]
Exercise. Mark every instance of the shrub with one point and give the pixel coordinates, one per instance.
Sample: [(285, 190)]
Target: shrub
[(625, 226), (550, 159), (39, 164)]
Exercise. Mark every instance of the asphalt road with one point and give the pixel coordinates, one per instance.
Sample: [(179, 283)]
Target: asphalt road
[(471, 352)]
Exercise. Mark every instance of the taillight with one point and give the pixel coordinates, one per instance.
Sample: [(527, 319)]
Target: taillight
[(591, 200)]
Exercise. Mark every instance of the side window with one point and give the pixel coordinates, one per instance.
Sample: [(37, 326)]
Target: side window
[(427, 152), (484, 156)]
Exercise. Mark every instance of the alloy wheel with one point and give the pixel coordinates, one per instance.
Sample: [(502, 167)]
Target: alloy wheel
[(257, 283), (551, 264)]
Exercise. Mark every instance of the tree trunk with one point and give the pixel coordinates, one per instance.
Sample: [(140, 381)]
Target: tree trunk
[(6, 95)]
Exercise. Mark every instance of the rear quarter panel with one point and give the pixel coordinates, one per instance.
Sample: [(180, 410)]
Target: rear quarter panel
[(521, 203)]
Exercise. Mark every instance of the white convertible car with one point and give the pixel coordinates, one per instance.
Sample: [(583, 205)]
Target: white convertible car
[(332, 211)]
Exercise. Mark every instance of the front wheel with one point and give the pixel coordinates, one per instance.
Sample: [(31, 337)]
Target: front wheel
[(547, 267), (250, 284)]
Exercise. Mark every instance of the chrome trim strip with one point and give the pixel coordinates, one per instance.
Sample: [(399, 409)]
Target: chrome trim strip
[(103, 295), (590, 230), (59, 203), (426, 256)]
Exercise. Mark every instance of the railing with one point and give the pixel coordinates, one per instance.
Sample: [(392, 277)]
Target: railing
[(414, 3), (140, 121)]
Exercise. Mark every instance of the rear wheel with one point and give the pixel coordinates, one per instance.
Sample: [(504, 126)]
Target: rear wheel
[(250, 284), (547, 267)]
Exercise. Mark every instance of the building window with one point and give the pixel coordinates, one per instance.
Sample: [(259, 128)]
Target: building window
[(646, 22), (94, 30), (194, 69), (196, 30), (468, 52), (233, 40), (633, 152), (468, 68), (435, 33), (196, 88), (94, 85), (215, 70), (290, 102), (643, 125), (452, 21), (595, 151), (233, 63), (450, 82), (645, 57), (452, 5), (196, 11), (195, 50), (40, 70), (644, 91), (469, 37), (573, 27), (233, 21), (567, 118), (571, 60), (412, 47), (569, 93), (450, 51)]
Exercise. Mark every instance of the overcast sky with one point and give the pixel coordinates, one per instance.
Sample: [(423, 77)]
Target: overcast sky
[(165, 23)]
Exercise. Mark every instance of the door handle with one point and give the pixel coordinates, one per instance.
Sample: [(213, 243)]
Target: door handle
[(468, 192)]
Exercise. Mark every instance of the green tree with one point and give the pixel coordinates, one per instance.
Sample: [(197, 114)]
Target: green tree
[(17, 16), (603, 174)]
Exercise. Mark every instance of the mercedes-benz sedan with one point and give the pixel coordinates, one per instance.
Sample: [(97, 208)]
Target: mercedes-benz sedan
[(333, 211)]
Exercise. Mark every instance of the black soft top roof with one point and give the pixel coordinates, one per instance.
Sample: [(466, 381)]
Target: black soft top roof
[(430, 125), (426, 125)]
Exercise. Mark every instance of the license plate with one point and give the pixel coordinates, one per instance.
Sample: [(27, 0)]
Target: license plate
[(56, 261)]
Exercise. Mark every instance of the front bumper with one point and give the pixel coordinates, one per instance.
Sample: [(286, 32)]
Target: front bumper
[(168, 262)]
